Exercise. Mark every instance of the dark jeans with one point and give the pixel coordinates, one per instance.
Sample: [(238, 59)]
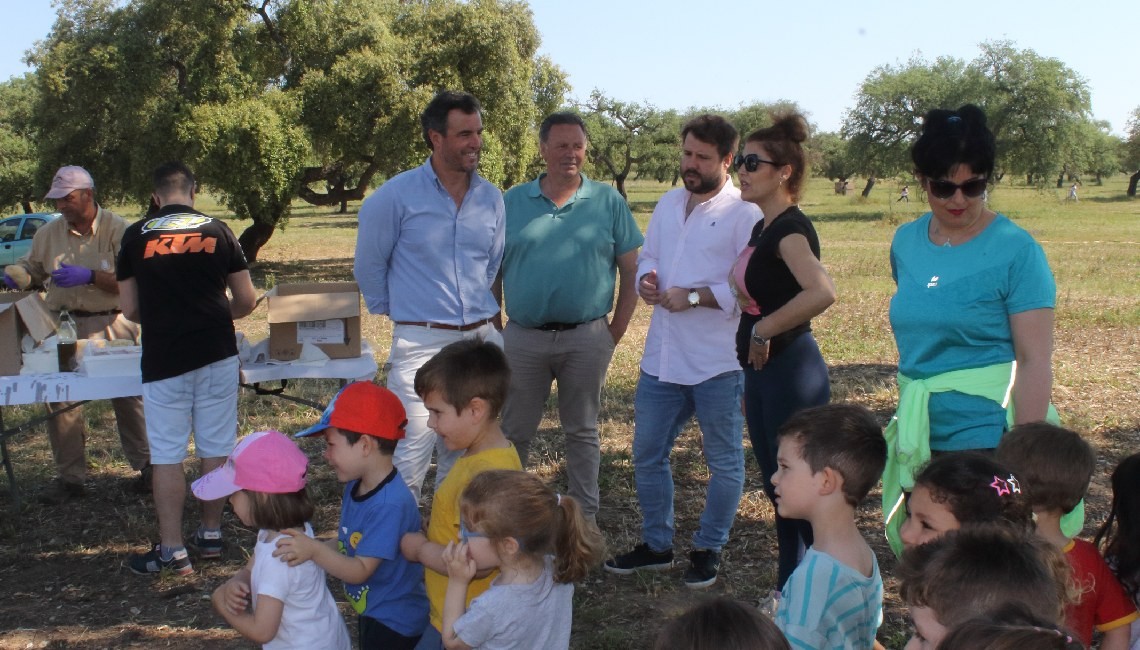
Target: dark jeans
[(374, 635), (793, 380)]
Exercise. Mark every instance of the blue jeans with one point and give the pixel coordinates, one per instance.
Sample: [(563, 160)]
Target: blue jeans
[(793, 380), (660, 410)]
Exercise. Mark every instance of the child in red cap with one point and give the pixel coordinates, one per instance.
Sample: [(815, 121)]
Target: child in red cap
[(361, 427)]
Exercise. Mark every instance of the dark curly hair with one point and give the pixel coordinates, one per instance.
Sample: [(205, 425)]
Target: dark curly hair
[(953, 138)]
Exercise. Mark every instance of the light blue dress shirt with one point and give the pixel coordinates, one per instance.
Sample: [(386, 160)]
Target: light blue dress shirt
[(419, 259)]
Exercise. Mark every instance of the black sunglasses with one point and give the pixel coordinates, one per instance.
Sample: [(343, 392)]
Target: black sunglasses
[(751, 162), (971, 189)]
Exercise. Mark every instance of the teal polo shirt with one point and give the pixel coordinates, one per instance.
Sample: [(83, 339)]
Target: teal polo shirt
[(560, 264)]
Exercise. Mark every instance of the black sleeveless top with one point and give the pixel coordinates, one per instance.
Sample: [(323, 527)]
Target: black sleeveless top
[(769, 280)]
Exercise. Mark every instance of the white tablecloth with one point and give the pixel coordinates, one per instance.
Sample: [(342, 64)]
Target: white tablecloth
[(74, 387)]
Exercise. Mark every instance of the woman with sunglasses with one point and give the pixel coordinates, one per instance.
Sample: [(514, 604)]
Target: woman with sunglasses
[(781, 286), (974, 294)]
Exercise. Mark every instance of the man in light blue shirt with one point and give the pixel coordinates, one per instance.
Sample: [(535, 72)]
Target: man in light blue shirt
[(567, 239), (428, 249)]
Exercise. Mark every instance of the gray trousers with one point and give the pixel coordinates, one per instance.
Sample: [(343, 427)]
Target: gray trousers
[(577, 359)]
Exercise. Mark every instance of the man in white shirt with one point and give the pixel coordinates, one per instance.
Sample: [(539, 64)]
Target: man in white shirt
[(689, 366)]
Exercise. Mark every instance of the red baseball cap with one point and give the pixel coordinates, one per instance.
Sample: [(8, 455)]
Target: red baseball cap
[(363, 407)]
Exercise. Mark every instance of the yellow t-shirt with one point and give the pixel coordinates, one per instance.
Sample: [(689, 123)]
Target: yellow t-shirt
[(443, 525)]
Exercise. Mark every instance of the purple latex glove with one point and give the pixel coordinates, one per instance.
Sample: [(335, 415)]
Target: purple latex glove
[(10, 283), (68, 275)]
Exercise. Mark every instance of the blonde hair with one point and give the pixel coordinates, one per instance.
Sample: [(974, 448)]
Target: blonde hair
[(512, 503)]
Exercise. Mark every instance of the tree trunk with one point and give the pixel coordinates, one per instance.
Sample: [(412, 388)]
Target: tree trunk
[(619, 182), (27, 206), (1099, 179), (676, 177), (344, 207), (867, 188), (1029, 180), (253, 238), (1132, 181), (1061, 180)]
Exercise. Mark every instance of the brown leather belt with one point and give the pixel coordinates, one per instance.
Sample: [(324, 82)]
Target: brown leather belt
[(444, 326), (89, 314)]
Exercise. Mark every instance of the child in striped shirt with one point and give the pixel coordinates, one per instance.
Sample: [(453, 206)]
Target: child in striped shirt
[(829, 457)]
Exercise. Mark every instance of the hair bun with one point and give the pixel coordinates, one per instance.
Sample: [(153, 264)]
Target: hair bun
[(973, 115), (794, 126)]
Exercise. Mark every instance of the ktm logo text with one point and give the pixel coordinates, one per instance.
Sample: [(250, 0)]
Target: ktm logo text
[(175, 244)]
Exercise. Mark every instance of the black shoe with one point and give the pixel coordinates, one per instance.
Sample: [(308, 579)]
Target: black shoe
[(641, 558), (209, 545), (60, 492), (151, 562), (144, 484), (703, 566)]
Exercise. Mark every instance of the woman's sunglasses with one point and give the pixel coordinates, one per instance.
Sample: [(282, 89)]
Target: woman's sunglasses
[(971, 189), (751, 162)]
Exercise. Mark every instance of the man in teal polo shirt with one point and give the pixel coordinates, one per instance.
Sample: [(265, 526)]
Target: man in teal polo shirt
[(567, 237)]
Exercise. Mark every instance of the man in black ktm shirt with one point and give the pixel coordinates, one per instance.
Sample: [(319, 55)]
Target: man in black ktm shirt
[(174, 268)]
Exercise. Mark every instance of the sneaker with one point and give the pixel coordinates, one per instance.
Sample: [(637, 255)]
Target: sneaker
[(60, 492), (703, 566), (208, 544), (641, 558), (770, 604), (151, 562)]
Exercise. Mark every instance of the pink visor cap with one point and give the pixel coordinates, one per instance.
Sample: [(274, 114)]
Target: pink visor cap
[(266, 461), (67, 180)]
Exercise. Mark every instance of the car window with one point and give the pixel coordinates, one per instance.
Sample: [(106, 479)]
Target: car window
[(8, 229), (31, 225)]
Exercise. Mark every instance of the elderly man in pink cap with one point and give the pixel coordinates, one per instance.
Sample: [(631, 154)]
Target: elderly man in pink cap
[(73, 259)]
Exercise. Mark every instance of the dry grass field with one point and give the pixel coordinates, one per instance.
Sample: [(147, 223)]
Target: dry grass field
[(61, 580)]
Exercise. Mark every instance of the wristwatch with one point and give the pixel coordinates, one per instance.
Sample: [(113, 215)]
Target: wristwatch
[(694, 298), (757, 339)]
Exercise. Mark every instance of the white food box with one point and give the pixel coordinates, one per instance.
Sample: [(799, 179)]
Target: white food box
[(100, 359), (42, 360)]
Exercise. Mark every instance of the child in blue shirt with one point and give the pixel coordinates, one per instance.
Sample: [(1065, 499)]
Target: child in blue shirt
[(828, 459), (361, 427)]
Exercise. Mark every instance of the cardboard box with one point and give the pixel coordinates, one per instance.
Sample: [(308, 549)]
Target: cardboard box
[(21, 312), (326, 314)]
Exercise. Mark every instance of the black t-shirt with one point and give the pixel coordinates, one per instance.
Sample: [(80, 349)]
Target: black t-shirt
[(769, 280), (180, 260)]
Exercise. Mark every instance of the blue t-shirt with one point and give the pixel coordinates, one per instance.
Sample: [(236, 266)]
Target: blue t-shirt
[(951, 312), (371, 525), (560, 262)]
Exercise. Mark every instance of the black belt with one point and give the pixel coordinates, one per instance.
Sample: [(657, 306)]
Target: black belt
[(444, 326), (88, 314), (558, 327)]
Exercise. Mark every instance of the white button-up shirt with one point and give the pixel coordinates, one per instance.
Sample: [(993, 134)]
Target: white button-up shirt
[(694, 345)]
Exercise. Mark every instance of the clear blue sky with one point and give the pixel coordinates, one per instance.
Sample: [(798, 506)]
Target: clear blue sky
[(677, 54)]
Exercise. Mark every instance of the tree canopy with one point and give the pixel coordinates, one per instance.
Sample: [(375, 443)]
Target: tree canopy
[(271, 100), (1038, 108)]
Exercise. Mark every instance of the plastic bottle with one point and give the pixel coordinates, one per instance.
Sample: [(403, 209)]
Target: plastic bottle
[(68, 337)]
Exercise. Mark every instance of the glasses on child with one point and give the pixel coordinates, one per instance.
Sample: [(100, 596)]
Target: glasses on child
[(466, 535), (751, 162), (971, 189)]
